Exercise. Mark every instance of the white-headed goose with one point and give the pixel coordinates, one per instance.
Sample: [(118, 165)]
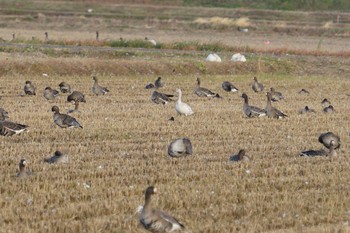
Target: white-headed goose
[(58, 157), (271, 111), (311, 153), (97, 89), (256, 86), (161, 98), (155, 220), (204, 92), (182, 108), (251, 111), (64, 87), (229, 87), (241, 156), (29, 88), (50, 94), (180, 147), (326, 138), (64, 120)]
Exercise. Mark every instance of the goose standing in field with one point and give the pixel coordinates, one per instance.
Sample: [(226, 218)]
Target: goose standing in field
[(306, 109), (326, 138), (64, 120), (29, 88), (50, 94), (241, 156), (329, 109), (182, 108), (256, 86), (161, 98), (97, 89), (227, 86), (158, 83), (64, 87), (8, 128), (311, 153), (153, 42), (204, 92), (180, 147), (23, 170), (304, 92), (271, 111), (76, 97), (276, 96), (155, 220), (58, 157), (251, 111)]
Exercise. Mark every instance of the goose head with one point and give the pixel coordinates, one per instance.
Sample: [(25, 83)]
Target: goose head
[(150, 191), (94, 78), (28, 82), (272, 89), (178, 90), (48, 89), (244, 96), (55, 109), (3, 114), (58, 153), (241, 154), (198, 81), (22, 164), (255, 79)]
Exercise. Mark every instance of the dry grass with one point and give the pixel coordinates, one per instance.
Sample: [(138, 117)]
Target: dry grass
[(123, 145)]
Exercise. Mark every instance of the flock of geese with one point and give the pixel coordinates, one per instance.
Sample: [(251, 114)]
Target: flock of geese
[(152, 219)]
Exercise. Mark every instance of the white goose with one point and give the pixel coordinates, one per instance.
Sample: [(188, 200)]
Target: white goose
[(182, 108)]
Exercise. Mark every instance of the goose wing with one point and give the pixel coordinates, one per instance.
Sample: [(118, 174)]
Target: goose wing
[(170, 221), (70, 121), (8, 128), (313, 153)]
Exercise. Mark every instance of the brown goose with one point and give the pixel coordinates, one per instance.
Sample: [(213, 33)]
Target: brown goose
[(64, 87), (204, 92), (306, 109), (326, 138), (241, 156), (8, 128), (180, 147), (329, 109), (311, 153), (271, 111), (256, 86), (97, 89), (50, 94), (58, 157), (64, 120), (23, 170), (155, 220), (276, 96), (161, 98), (76, 97), (227, 86), (29, 88), (251, 111)]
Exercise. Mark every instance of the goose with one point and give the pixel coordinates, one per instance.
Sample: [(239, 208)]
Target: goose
[(158, 83), (46, 36), (155, 220), (256, 86), (306, 109), (227, 86), (171, 119), (161, 98), (97, 35), (271, 111), (153, 42), (251, 111), (29, 88), (180, 147), (182, 108), (149, 86), (304, 92), (64, 120), (276, 96), (8, 128), (58, 157), (325, 103), (326, 138), (76, 97), (311, 153), (204, 92), (97, 89), (64, 87), (329, 109), (50, 94), (23, 170), (241, 156)]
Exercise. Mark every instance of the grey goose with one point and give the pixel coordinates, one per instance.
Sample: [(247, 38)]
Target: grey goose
[(29, 88), (306, 109), (158, 83), (64, 120), (155, 220), (50, 94), (304, 92), (58, 157), (229, 87), (64, 87), (326, 138), (256, 86), (204, 92), (271, 111), (97, 89), (76, 97), (275, 95), (180, 147), (161, 98), (251, 111), (23, 170), (311, 153), (9, 128), (241, 156), (181, 107), (329, 109)]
